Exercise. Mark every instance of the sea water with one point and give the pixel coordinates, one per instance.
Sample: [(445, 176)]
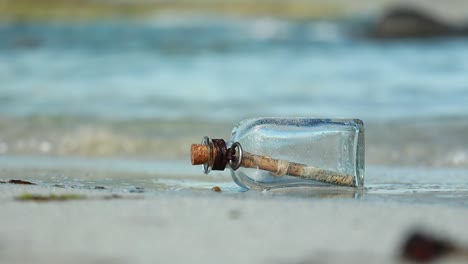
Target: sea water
[(119, 102)]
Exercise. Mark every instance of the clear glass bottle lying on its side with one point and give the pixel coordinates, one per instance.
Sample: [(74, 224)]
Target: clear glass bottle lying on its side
[(268, 153)]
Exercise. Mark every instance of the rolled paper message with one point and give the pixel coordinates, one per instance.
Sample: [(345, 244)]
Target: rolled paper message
[(280, 168)]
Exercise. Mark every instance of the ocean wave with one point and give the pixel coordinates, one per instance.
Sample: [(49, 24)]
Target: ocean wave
[(436, 142), (225, 69)]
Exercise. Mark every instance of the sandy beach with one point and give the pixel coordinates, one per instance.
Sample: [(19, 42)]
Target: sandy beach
[(201, 226)]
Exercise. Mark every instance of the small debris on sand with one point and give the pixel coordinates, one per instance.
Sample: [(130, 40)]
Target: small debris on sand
[(216, 189), (50, 197), (21, 182)]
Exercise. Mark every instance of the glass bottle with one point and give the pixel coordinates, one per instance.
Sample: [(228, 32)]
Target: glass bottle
[(268, 153)]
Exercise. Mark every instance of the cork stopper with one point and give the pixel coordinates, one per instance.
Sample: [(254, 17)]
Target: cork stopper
[(200, 154), (212, 154)]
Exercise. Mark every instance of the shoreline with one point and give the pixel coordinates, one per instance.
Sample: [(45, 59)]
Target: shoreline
[(383, 184), (388, 142)]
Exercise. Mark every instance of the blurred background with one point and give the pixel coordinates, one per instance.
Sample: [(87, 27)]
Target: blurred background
[(88, 80)]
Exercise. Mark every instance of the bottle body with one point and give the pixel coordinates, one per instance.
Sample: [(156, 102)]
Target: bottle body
[(333, 145)]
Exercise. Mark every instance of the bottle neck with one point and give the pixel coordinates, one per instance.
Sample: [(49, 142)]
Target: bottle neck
[(215, 155)]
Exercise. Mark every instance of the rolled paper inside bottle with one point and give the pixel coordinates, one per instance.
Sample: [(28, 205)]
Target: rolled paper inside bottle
[(281, 168)]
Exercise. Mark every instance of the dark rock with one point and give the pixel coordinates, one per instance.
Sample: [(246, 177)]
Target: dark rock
[(422, 247), (403, 22)]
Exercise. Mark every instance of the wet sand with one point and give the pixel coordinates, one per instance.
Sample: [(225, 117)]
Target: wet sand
[(199, 225)]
